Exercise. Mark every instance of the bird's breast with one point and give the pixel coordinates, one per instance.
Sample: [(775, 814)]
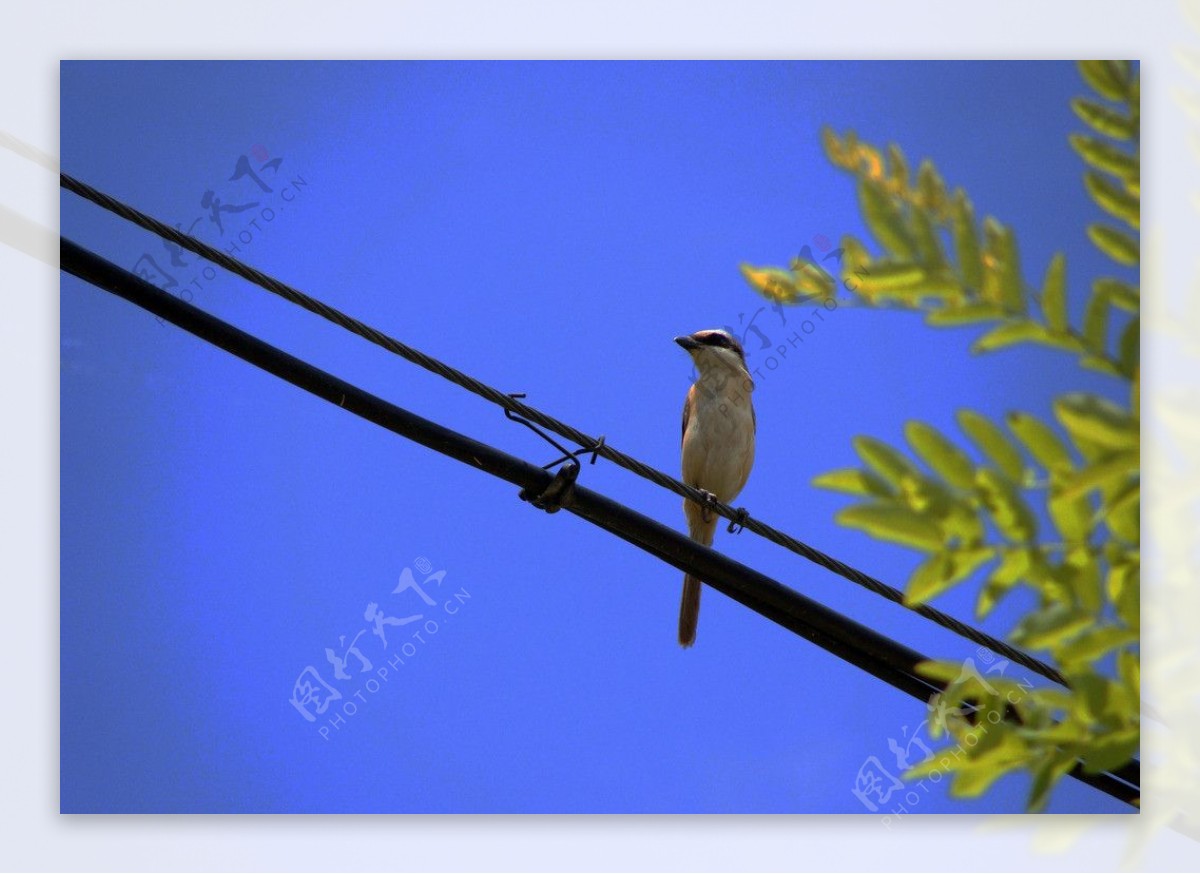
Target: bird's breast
[(718, 446)]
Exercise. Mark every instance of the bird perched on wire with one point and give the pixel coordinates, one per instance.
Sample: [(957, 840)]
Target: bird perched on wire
[(718, 444)]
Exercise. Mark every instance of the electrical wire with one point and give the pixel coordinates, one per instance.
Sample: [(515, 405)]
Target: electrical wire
[(857, 644), (598, 447)]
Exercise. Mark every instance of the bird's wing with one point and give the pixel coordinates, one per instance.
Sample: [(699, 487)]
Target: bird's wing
[(687, 412)]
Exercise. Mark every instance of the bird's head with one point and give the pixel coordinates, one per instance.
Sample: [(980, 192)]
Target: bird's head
[(714, 348)]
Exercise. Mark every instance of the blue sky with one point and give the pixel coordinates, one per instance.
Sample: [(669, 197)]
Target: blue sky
[(548, 228)]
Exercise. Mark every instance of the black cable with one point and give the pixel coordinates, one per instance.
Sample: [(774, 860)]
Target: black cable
[(506, 401), (857, 644)]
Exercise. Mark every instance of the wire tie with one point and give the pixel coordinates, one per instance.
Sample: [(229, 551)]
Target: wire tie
[(567, 455), (595, 449), (558, 493)]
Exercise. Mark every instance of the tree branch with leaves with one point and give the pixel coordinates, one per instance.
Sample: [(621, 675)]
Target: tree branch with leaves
[(1048, 504)]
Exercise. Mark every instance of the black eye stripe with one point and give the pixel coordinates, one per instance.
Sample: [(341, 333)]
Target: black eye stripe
[(719, 340)]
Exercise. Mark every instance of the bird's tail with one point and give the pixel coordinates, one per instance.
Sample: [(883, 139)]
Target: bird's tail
[(701, 531)]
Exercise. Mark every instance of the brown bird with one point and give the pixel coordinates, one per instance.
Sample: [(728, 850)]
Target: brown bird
[(717, 445)]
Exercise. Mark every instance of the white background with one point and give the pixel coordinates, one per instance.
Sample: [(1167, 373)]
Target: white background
[(1162, 35)]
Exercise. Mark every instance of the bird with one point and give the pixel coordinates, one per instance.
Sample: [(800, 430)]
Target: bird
[(717, 446)]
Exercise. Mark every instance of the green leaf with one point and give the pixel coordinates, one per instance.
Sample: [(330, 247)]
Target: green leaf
[(966, 243), (1109, 78), (1051, 627), (942, 456), (893, 523), (1013, 517), (1041, 441), (1121, 294), (1129, 668), (1094, 643), (832, 145), (1123, 517), (980, 772), (1006, 575), (1072, 517), (972, 780), (869, 163), (1069, 342), (1050, 581), (854, 256), (1124, 591), (770, 282), (1058, 733), (1117, 245), (966, 314), (943, 287), (1007, 334), (932, 765), (1090, 700), (993, 443), (884, 220), (1124, 705), (1104, 120), (1115, 495), (938, 573), (889, 463), (962, 524), (1100, 474), (929, 250), (1054, 294), (1095, 324), (1101, 365), (1130, 347), (1053, 765), (1050, 702), (1081, 574), (925, 495), (1114, 200), (1096, 420), (930, 187), (1003, 248), (1111, 750), (849, 146), (1045, 777), (1108, 158), (812, 280), (897, 165), (884, 278), (853, 481)]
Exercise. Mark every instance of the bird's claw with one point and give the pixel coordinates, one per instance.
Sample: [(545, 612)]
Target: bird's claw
[(706, 509), (738, 524)]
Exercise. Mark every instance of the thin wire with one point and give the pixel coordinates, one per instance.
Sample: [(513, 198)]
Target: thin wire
[(510, 403)]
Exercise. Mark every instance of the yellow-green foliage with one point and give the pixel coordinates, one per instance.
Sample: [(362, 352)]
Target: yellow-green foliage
[(970, 511)]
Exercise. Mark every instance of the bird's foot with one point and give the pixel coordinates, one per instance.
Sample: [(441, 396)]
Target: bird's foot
[(738, 524), (706, 510)]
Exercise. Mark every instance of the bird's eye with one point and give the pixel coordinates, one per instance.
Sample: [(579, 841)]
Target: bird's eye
[(717, 340)]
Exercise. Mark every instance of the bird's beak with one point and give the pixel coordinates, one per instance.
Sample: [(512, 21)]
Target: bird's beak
[(687, 343)]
